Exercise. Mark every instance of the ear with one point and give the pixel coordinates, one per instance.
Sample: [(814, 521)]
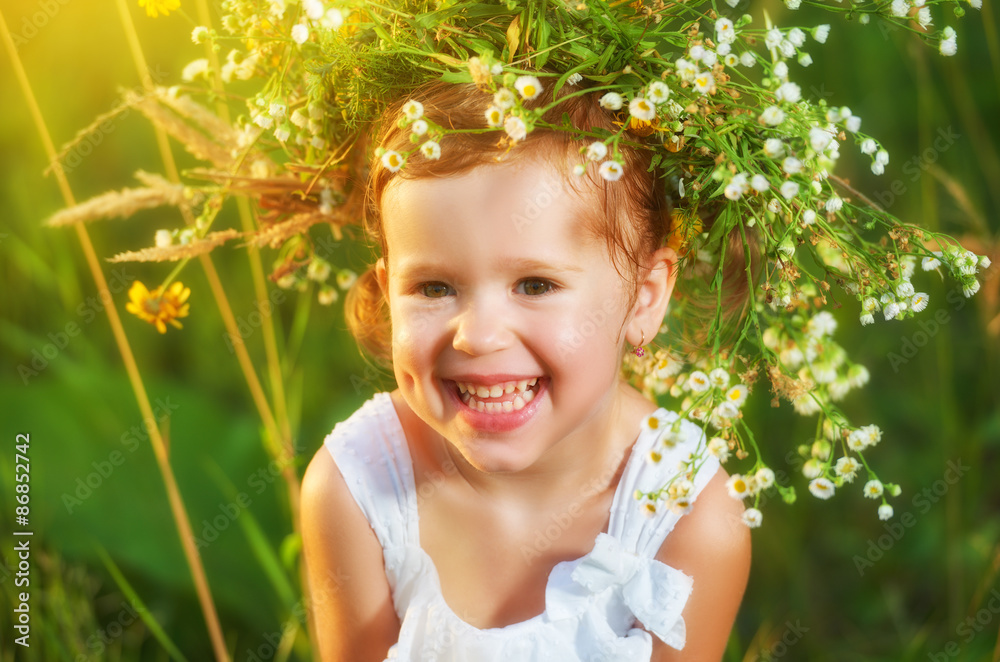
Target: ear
[(382, 277), (651, 303)]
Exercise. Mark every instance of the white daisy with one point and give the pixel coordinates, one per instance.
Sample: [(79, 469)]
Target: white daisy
[(791, 165), (725, 33), (393, 160), (821, 488), (612, 101), (821, 32), (300, 33), (890, 310), (658, 92), (789, 190), (858, 375), (419, 128), (930, 263), (704, 82), (686, 70), (504, 99), (885, 512), (719, 377), (847, 468), (574, 79), (431, 150), (719, 448), (737, 395), (642, 109), (515, 128), (738, 486), (805, 405), (918, 302), (698, 382), (413, 110), (764, 478), (759, 183), (773, 38), (494, 116), (752, 517), (597, 151), (834, 204), (748, 59), (611, 171), (873, 489), (819, 138), (529, 86), (773, 148), (332, 19)]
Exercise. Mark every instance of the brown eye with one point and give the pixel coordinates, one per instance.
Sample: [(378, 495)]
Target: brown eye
[(435, 290), (535, 286)]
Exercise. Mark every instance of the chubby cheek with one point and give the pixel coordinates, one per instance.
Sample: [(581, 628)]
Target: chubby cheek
[(414, 346), (585, 345)]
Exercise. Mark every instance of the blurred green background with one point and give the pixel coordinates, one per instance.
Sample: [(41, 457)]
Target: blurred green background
[(829, 581)]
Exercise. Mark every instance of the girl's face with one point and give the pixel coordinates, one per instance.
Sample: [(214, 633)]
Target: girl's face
[(507, 315)]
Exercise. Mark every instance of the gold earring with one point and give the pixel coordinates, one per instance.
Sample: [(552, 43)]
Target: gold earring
[(639, 351)]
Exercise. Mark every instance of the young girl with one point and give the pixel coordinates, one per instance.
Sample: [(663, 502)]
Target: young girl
[(484, 509)]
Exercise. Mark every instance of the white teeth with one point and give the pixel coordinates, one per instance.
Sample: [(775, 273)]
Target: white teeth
[(473, 395)]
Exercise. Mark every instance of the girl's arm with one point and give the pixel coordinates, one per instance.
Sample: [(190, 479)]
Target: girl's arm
[(712, 545), (349, 594)]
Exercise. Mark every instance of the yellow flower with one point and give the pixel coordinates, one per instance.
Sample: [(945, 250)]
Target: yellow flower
[(156, 7), (159, 307)]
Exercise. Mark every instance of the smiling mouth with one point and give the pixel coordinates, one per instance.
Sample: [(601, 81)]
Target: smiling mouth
[(502, 398)]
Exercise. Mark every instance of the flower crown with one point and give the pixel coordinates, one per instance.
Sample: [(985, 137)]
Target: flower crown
[(710, 93)]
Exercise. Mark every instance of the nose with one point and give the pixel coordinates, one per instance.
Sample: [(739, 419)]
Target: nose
[(482, 327)]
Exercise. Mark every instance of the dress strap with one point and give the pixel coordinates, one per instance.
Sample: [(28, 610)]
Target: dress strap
[(639, 532), (371, 452)]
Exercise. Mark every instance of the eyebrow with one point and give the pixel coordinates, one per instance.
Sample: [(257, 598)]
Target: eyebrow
[(514, 264)]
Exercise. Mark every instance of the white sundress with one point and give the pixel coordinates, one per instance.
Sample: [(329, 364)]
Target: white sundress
[(592, 604)]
